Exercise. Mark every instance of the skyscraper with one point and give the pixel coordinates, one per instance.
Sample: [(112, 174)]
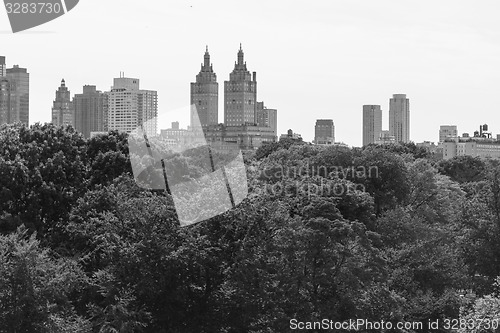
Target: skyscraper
[(62, 109), (324, 132), (4, 93), (3, 67), (205, 94), (447, 131), (267, 117), (240, 94), (19, 109), (372, 123), (4, 100), (148, 111), (90, 111), (399, 118), (130, 108)]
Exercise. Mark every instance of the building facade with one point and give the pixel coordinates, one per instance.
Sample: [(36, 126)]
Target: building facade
[(399, 118), (62, 108), (4, 93), (130, 108), (291, 135), (90, 111), (447, 132), (385, 137), (148, 111), (4, 101), (244, 137), (267, 117), (324, 132), (475, 147), (372, 124), (3, 67), (205, 95), (15, 96), (240, 95)]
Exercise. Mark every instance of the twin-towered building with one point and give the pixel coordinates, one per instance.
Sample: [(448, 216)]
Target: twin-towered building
[(247, 122), (240, 95)]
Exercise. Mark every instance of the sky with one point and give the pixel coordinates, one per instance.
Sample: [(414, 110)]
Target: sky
[(316, 59)]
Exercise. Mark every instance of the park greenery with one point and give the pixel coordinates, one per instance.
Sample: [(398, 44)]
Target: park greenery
[(84, 249)]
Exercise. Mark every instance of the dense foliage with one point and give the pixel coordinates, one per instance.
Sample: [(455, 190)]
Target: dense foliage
[(378, 233)]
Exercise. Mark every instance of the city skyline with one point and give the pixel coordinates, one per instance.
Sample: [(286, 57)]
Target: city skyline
[(314, 66)]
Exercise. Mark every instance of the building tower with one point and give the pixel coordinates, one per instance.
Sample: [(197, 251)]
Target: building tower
[(130, 108), (324, 132), (267, 117), (62, 109), (19, 109), (205, 95), (4, 93), (3, 67), (4, 101), (372, 124), (240, 95), (399, 118), (90, 111), (447, 131)]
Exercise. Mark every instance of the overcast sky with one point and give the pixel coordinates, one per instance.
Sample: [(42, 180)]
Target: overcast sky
[(314, 59)]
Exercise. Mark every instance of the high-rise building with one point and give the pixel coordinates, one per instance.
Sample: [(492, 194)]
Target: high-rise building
[(324, 132), (19, 108), (399, 118), (447, 131), (62, 109), (205, 94), (240, 94), (90, 111), (4, 100), (14, 94), (3, 67), (130, 108), (372, 123), (267, 117), (4, 93), (148, 111)]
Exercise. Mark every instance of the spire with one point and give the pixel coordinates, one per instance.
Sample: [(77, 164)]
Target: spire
[(207, 59), (240, 56), (63, 83)]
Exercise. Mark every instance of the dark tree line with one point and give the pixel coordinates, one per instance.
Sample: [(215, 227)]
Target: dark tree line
[(84, 249)]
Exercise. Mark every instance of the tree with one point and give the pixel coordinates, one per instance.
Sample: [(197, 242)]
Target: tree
[(384, 175), (38, 292), (463, 169), (44, 173)]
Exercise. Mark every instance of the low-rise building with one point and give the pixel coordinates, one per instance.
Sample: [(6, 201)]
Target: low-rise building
[(472, 146), (385, 137), (291, 135)]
